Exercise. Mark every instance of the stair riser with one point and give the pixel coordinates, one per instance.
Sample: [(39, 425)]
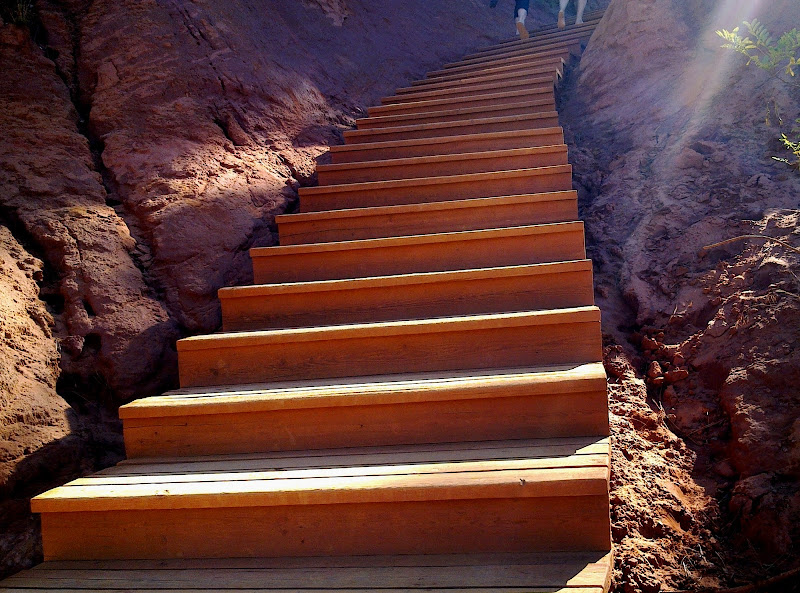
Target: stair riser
[(497, 215), (534, 58), (481, 101), (471, 91), (439, 351), (538, 181), (549, 62), (459, 145), (495, 418), (503, 525), (428, 168), (518, 108), (472, 296), (467, 254), (554, 67)]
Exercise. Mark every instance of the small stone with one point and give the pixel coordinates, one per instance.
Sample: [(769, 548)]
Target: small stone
[(649, 343), (654, 370), (675, 375)]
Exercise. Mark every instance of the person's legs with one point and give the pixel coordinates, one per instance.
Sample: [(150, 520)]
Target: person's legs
[(581, 8), (561, 8), (520, 14)]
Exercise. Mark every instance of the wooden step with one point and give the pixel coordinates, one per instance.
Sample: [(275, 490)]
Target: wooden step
[(522, 107), (566, 572), (507, 496), (535, 57), (552, 68), (541, 84), (445, 344), (549, 71), (407, 409), (576, 32), (427, 218), (544, 243), (507, 123), (492, 71), (443, 165), (567, 42), (408, 296), (436, 189), (591, 18), (378, 151), (482, 101)]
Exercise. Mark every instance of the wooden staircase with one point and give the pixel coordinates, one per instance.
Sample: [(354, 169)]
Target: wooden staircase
[(410, 398)]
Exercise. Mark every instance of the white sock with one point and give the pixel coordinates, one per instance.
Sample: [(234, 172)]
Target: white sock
[(522, 14)]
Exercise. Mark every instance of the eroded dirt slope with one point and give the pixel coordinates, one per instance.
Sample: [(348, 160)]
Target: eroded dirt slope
[(672, 153)]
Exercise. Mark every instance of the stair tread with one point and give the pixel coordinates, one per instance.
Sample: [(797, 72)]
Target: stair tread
[(578, 572), (556, 61), (589, 18), (445, 158), (541, 40), (379, 119), (401, 279), (545, 82), (529, 56), (354, 391), (432, 180), (426, 105), (554, 67), (526, 50), (443, 140), (389, 328), (450, 124), (504, 469), (417, 239)]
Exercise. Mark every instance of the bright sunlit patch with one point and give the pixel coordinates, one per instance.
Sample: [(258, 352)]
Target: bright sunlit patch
[(712, 65)]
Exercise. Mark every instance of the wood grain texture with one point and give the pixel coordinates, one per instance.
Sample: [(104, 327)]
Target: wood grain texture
[(459, 144)]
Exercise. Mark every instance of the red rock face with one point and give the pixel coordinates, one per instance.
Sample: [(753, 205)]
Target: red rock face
[(672, 153)]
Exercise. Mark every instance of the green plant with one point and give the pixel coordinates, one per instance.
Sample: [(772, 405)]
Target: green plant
[(18, 12), (781, 58)]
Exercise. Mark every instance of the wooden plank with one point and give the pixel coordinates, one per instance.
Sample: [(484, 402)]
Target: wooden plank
[(319, 578), (472, 294), (567, 523), (405, 387), (431, 421), (190, 475), (371, 151), (554, 67), (438, 252), (473, 104), (506, 123), (443, 165), (380, 454), (348, 590), (542, 85), (519, 339), (523, 482), (522, 107)]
